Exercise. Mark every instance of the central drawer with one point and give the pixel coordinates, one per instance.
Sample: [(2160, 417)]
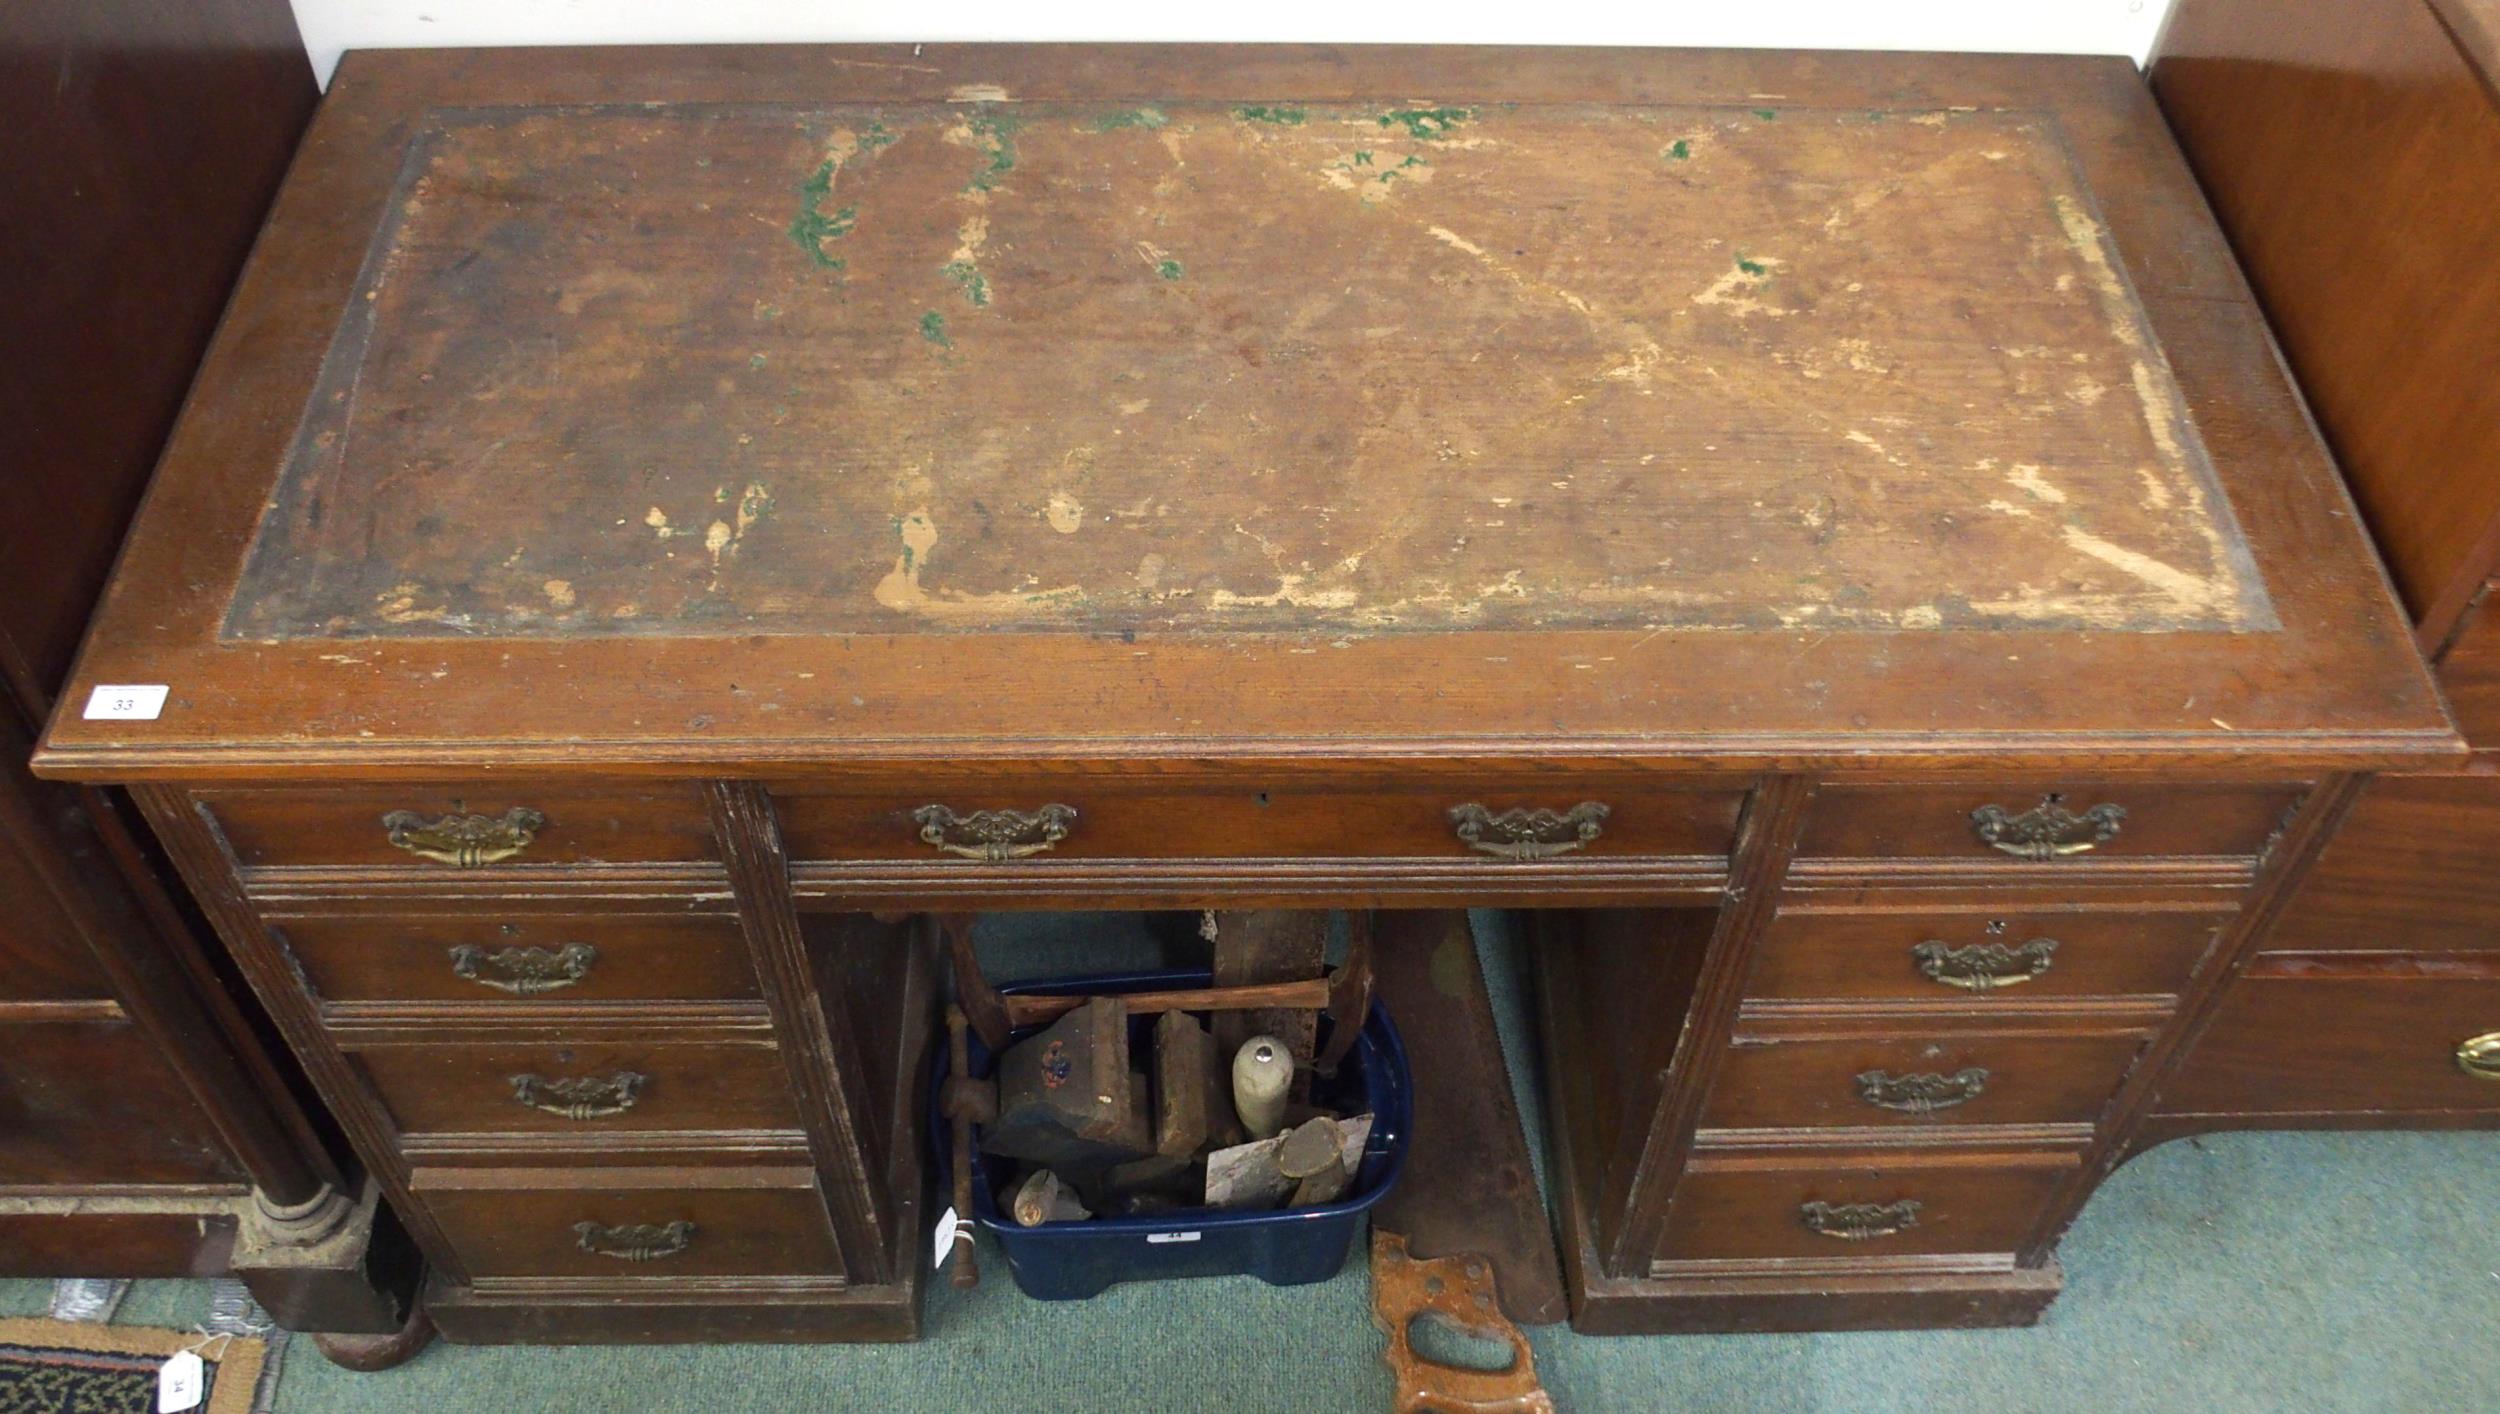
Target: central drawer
[(625, 1223), (583, 1089), (1962, 1077), (1496, 823)]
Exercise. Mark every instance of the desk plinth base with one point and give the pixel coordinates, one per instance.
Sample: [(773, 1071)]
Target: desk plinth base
[(749, 1311)]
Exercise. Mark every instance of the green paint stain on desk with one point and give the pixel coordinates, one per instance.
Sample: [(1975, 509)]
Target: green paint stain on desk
[(1130, 118), (1679, 150), (1752, 267), (969, 279), (1262, 113), (995, 133), (1169, 269), (812, 227), (1766, 114), (933, 329), (1429, 124)]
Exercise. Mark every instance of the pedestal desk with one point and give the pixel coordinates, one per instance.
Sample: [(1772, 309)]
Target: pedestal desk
[(1829, 534)]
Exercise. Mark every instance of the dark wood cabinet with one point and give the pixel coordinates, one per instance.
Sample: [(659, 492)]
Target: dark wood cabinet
[(2351, 149), (149, 1125)]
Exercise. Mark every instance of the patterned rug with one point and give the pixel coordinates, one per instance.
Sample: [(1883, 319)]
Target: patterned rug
[(64, 1367)]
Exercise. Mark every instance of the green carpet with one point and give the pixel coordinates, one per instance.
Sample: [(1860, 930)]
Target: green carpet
[(2236, 1272)]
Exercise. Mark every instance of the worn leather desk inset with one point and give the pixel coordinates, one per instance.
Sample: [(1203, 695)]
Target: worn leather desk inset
[(1826, 532)]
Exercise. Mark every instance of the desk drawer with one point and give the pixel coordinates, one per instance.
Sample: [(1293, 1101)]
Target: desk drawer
[(632, 1222), (2414, 868), (449, 828), (2057, 821), (2322, 1034), (579, 1089), (499, 961), (1991, 958), (1957, 1078), (1496, 823), (1860, 1205)]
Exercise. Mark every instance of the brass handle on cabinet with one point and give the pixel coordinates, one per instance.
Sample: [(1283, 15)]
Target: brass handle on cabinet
[(580, 1096), (1528, 833), (1859, 1222), (642, 1242), (524, 972), (1921, 1094), (2479, 1056), (2048, 830), (465, 841), (994, 835), (1983, 967)]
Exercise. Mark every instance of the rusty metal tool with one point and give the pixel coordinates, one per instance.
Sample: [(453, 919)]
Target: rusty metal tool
[(1471, 1188), (1458, 1290)]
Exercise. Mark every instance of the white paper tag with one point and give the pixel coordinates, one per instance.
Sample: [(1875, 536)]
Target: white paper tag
[(1174, 1236), (948, 1225), (126, 702), (179, 1382)]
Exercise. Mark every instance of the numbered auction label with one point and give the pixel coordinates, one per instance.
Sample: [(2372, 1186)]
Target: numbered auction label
[(126, 702)]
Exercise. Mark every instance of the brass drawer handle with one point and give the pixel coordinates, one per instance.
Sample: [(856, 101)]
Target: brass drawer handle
[(1983, 967), (642, 1242), (1528, 833), (1859, 1222), (465, 841), (2479, 1056), (580, 1096), (994, 835), (524, 972), (1921, 1094), (2048, 830)]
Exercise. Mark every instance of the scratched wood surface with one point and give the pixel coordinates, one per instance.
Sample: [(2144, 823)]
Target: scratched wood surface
[(1197, 367)]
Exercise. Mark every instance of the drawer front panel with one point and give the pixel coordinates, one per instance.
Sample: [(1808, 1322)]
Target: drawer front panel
[(634, 1228), (2004, 959), (480, 1089), (2414, 867), (2061, 821), (2320, 1041), (2000, 1077), (1095, 822), (496, 961), (1857, 1207), (483, 825)]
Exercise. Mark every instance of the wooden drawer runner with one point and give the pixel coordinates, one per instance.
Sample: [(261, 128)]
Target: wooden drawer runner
[(579, 1089), (530, 1223), (499, 961), (1105, 822), (1857, 1206), (475, 825), (2414, 868), (2341, 1035), (1996, 958), (2136, 819), (1958, 1078)]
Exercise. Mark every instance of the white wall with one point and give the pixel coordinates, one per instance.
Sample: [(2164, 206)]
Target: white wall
[(2049, 26)]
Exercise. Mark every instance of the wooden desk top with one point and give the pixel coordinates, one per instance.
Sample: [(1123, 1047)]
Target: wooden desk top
[(708, 407)]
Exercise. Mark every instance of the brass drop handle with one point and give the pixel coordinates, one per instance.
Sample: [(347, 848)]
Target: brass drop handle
[(994, 836), (2479, 1056), (524, 972), (1859, 1222), (1983, 967), (641, 1242), (2048, 830), (580, 1097), (464, 841), (1528, 833), (1923, 1093)]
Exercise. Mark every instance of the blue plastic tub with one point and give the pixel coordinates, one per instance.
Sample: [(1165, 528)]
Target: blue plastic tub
[(1071, 1261)]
